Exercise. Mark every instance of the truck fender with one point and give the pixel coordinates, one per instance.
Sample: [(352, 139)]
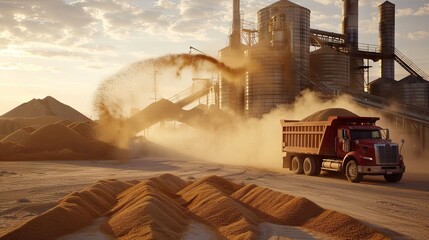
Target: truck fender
[(287, 161), (349, 156)]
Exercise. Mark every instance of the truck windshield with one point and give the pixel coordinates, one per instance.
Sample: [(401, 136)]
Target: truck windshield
[(365, 134)]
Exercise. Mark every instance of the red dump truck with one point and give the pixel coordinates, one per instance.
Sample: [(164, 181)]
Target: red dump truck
[(339, 140)]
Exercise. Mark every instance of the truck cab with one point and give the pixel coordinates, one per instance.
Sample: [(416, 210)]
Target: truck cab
[(371, 149)]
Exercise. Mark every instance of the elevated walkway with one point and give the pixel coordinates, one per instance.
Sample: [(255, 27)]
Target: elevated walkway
[(319, 38)]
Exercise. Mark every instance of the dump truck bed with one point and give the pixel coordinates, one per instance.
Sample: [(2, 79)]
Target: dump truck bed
[(317, 137)]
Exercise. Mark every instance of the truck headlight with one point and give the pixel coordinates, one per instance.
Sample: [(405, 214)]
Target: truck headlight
[(367, 158)]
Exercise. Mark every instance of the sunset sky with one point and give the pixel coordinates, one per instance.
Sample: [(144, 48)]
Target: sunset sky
[(66, 48)]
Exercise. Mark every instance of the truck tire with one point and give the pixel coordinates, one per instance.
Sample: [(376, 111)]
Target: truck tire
[(352, 173), (296, 165), (309, 166), (393, 178)]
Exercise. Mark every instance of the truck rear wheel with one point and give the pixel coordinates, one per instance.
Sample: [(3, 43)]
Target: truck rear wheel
[(297, 165), (393, 177), (352, 173), (309, 166)]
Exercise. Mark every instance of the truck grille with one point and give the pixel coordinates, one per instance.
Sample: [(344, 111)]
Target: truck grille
[(387, 153)]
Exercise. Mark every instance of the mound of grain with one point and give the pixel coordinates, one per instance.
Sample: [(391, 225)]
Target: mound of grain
[(19, 135), (220, 183), (277, 207), (147, 211), (323, 115), (161, 208), (342, 226), (75, 211), (209, 201)]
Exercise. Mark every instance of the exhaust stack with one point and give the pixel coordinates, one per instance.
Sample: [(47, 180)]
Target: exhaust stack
[(351, 22), (387, 39), (235, 37)]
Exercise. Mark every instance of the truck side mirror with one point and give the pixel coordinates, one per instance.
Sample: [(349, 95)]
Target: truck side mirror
[(402, 144), (345, 137)]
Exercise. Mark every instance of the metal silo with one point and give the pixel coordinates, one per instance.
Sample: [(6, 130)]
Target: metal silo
[(231, 91), (383, 87), (413, 91), (387, 39), (279, 63), (331, 67)]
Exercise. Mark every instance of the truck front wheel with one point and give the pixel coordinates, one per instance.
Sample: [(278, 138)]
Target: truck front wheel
[(393, 178), (310, 167), (297, 165), (352, 173)]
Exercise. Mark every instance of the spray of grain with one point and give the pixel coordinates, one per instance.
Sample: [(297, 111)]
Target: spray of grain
[(131, 85)]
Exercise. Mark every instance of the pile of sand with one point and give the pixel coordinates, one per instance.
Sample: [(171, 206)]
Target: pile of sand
[(48, 106), (56, 141), (162, 207), (10, 125)]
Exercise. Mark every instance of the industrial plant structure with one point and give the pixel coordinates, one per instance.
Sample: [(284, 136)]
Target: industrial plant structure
[(280, 65)]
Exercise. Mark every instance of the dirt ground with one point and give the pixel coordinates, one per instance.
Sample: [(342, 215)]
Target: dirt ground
[(399, 210)]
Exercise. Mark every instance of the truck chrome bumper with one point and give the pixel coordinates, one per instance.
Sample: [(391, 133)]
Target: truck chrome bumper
[(381, 169)]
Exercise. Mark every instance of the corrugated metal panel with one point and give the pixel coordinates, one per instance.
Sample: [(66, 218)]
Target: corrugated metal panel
[(231, 91), (331, 67), (267, 83), (414, 93)]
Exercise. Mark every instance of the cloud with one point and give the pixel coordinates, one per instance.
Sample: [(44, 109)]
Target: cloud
[(165, 4), (329, 2), (11, 66), (404, 12), (190, 9), (372, 3), (369, 26), (419, 35), (421, 11), (318, 16)]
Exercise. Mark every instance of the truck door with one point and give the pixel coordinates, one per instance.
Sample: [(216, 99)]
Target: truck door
[(342, 142)]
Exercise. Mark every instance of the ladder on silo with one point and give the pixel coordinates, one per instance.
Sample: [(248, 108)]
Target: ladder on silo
[(408, 65)]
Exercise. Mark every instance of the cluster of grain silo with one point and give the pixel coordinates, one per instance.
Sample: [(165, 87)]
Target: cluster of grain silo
[(280, 65)]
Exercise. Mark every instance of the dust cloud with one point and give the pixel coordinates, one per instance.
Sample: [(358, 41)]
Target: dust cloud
[(257, 142), (249, 142)]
